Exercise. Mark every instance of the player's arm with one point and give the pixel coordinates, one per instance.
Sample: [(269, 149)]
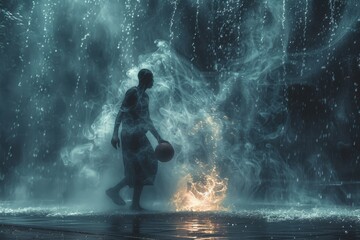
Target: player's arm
[(153, 131), (152, 128), (129, 102), (115, 141), (117, 123)]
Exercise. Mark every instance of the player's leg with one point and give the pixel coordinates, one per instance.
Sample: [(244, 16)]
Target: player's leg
[(113, 192), (136, 197)]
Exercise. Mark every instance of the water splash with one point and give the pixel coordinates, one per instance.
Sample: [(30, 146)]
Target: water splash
[(175, 3), (303, 64), (252, 64)]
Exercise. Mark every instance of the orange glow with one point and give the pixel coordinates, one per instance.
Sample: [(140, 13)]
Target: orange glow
[(197, 227), (205, 193)]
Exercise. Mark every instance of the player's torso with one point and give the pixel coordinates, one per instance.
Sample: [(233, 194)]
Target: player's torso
[(136, 118)]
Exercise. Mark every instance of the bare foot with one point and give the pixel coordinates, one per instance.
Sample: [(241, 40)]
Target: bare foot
[(115, 197), (136, 208)]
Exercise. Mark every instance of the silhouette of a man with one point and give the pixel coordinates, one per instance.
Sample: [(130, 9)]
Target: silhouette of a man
[(140, 164)]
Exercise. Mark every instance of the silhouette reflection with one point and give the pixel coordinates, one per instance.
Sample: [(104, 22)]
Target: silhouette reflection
[(129, 226)]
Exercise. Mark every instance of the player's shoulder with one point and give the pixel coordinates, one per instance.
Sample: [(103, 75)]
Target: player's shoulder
[(131, 91)]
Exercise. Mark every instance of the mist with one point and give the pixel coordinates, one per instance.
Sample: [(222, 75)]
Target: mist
[(265, 91)]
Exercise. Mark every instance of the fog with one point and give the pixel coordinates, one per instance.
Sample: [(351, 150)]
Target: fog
[(264, 91)]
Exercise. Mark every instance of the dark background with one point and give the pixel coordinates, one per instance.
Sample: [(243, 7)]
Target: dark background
[(303, 77)]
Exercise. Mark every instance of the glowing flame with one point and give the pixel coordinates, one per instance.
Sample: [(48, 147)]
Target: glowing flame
[(203, 193)]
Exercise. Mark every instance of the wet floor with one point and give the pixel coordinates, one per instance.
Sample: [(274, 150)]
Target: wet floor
[(259, 223)]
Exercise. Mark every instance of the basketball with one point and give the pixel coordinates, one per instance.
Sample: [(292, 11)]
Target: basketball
[(164, 152)]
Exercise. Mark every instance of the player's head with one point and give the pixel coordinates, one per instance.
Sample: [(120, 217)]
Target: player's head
[(145, 78)]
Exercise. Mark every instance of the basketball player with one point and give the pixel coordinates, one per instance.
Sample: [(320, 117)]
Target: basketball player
[(140, 164)]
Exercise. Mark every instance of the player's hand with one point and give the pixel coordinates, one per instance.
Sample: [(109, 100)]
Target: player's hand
[(115, 142)]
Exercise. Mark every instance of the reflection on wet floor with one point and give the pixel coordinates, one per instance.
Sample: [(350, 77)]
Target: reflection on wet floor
[(285, 223), (255, 222), (196, 227)]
